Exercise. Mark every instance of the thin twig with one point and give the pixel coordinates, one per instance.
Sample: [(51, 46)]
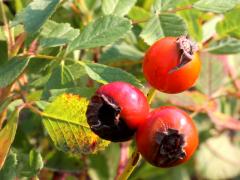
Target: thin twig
[(179, 9), (33, 109), (124, 150), (17, 45), (7, 29)]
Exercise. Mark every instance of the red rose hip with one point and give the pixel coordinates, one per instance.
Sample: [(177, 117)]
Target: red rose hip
[(172, 65), (168, 137), (116, 110)]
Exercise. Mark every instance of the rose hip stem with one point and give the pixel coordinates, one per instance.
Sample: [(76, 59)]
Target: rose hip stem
[(135, 157)]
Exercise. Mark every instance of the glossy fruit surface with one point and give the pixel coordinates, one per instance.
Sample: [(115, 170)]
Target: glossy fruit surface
[(168, 137), (116, 110), (172, 65)]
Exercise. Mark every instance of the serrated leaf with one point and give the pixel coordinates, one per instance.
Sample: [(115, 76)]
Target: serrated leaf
[(103, 31), (61, 77), (11, 70), (117, 7), (224, 46), (66, 123), (213, 162), (219, 6), (28, 164), (120, 52), (35, 14), (163, 25), (57, 34), (212, 74), (82, 92), (7, 135), (230, 24), (8, 172), (194, 25), (139, 14), (106, 74)]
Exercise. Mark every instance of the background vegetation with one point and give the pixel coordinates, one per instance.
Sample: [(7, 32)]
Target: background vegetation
[(53, 56)]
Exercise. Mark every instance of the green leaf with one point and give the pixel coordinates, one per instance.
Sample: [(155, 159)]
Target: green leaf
[(225, 46), (7, 135), (57, 34), (139, 14), (3, 52), (105, 74), (117, 7), (103, 31), (194, 25), (213, 162), (163, 5), (19, 164), (82, 92), (35, 14), (8, 172), (35, 162), (209, 28), (64, 162), (104, 165), (163, 25), (28, 164), (16, 31), (167, 4), (120, 52), (230, 25), (11, 70), (157, 6), (61, 77), (219, 6), (5, 103), (66, 123)]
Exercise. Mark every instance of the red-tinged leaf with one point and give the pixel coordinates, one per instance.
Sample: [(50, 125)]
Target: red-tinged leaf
[(193, 101), (7, 135), (224, 121)]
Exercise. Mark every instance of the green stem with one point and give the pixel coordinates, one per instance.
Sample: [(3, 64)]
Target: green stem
[(150, 95), (132, 163), (7, 29), (135, 158)]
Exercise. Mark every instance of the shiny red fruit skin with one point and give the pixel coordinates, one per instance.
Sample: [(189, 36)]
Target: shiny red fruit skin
[(133, 103), (162, 57), (159, 120)]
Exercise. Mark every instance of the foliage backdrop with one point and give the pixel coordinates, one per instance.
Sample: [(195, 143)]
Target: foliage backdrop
[(55, 53)]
